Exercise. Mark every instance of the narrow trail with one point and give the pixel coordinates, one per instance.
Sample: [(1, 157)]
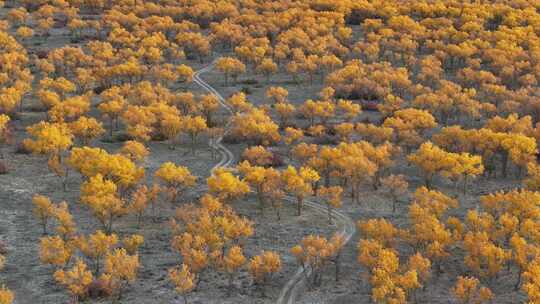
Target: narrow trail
[(290, 292)]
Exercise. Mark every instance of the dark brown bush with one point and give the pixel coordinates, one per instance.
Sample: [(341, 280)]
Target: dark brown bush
[(326, 140), (277, 160), (369, 105), (3, 168), (20, 148), (98, 289), (41, 54), (3, 248), (231, 139)]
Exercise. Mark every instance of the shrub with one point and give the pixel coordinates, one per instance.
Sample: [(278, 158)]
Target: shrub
[(99, 289), (20, 148), (3, 168)]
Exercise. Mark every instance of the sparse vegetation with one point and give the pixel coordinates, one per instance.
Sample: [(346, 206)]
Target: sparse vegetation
[(175, 127)]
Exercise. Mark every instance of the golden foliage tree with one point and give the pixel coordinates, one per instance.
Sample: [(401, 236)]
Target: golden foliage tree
[(226, 185), (183, 280), (299, 183), (467, 290), (264, 266), (230, 67), (176, 179), (101, 195)]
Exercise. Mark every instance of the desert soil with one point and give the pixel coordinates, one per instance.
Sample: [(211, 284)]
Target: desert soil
[(33, 282)]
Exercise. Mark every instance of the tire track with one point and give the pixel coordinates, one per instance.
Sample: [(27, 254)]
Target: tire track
[(226, 155), (290, 292)]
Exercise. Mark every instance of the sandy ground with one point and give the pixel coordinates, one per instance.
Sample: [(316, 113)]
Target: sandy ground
[(353, 286), (33, 282)]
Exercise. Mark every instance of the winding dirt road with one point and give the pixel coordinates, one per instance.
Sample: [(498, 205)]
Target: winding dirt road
[(290, 292)]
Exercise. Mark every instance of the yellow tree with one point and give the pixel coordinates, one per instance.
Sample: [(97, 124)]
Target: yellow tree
[(422, 266), (230, 67), (139, 121), (304, 152), (380, 230), (194, 126), (532, 181), (183, 73), (410, 126), (467, 290), (428, 231), (43, 210), (183, 280), (323, 110), (292, 137), (102, 197), (209, 105), (4, 132), (70, 109), (255, 126), (325, 162), (345, 131), (194, 43), (520, 203), (239, 102), (299, 183), (355, 167), (60, 85), (264, 266), (96, 247), (431, 160), (195, 248), (115, 167), (112, 109), (50, 139), (86, 129), (139, 202), (267, 67), (523, 255), (76, 280), (258, 156), (233, 261), (171, 126), (186, 103), (24, 33), (285, 111), (315, 252), (483, 256), (176, 179), (53, 250), (65, 225), (277, 94), (6, 295), (329, 63), (465, 166), (517, 148), (332, 198), (18, 16), (132, 243), (260, 179), (226, 185), (390, 282), (349, 109), (395, 187), (531, 286), (120, 270), (374, 134), (134, 150)]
